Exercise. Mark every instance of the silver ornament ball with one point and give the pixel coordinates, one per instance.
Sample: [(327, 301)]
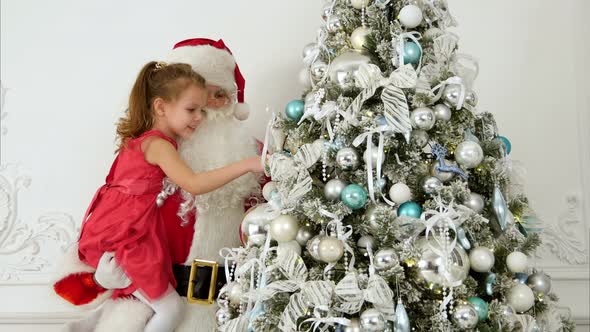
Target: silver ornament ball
[(254, 224), (468, 154), (540, 283), (465, 316), (451, 94), (347, 159), (222, 316), (430, 263), (471, 98), (313, 246), (442, 112), (309, 49), (372, 320), (344, 67), (422, 118), (334, 24), (419, 137), (304, 234), (475, 202), (385, 259), (318, 70), (431, 184)]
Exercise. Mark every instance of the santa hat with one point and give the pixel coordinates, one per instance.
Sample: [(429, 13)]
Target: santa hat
[(215, 62)]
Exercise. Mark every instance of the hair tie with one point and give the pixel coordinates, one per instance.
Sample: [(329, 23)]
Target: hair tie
[(160, 65)]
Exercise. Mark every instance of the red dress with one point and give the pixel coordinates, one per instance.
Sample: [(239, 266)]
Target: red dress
[(123, 218)]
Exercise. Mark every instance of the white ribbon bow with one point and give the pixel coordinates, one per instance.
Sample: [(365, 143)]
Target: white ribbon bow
[(396, 111), (451, 80), (318, 320)]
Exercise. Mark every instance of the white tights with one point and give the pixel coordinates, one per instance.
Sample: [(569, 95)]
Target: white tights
[(168, 311)]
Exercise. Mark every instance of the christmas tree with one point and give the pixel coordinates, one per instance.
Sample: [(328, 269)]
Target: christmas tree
[(394, 204)]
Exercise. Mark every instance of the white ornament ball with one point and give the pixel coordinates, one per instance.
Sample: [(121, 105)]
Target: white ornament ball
[(284, 228), (468, 154), (442, 112), (267, 190), (517, 262), (482, 259), (291, 246), (359, 37), (400, 193), (235, 293), (521, 298), (410, 16), (359, 4), (333, 189), (330, 249), (375, 154)]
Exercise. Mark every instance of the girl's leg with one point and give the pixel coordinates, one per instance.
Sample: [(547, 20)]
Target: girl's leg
[(168, 311)]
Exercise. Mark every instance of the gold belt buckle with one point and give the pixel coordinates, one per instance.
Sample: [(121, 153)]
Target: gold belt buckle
[(212, 285)]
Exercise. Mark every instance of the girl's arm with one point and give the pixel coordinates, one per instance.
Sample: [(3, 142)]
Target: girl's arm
[(160, 152)]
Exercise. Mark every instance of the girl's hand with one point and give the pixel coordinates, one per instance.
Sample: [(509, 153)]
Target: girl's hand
[(254, 164)]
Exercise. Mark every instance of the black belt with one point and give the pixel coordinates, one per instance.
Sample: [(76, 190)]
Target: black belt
[(203, 280)]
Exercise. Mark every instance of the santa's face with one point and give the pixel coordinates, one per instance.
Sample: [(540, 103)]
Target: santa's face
[(217, 97)]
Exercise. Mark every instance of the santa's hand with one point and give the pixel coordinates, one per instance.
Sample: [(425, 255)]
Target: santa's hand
[(109, 274)]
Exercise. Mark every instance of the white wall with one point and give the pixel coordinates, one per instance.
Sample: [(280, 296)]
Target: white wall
[(68, 66)]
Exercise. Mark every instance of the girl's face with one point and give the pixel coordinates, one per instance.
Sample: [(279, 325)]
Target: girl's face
[(182, 116)]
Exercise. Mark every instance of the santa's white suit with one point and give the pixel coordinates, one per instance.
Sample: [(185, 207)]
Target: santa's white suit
[(220, 140)]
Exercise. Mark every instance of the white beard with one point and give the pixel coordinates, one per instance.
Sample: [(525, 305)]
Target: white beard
[(220, 141)]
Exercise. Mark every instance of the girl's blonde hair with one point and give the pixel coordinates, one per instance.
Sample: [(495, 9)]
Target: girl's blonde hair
[(156, 79)]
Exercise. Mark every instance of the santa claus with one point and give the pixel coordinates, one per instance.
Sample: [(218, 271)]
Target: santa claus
[(198, 227)]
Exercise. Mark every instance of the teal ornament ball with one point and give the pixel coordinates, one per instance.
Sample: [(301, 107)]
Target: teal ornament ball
[(481, 307), (409, 209), (354, 196), (294, 110), (412, 53), (506, 143)]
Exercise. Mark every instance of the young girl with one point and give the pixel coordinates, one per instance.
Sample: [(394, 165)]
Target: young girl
[(165, 105)]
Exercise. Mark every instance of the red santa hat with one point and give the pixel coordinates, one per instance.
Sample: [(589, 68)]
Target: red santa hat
[(215, 62)]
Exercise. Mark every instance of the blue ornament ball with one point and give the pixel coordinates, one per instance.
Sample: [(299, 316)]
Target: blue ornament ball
[(354, 196), (409, 209), (412, 53), (295, 109), (506, 143), (480, 306)]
